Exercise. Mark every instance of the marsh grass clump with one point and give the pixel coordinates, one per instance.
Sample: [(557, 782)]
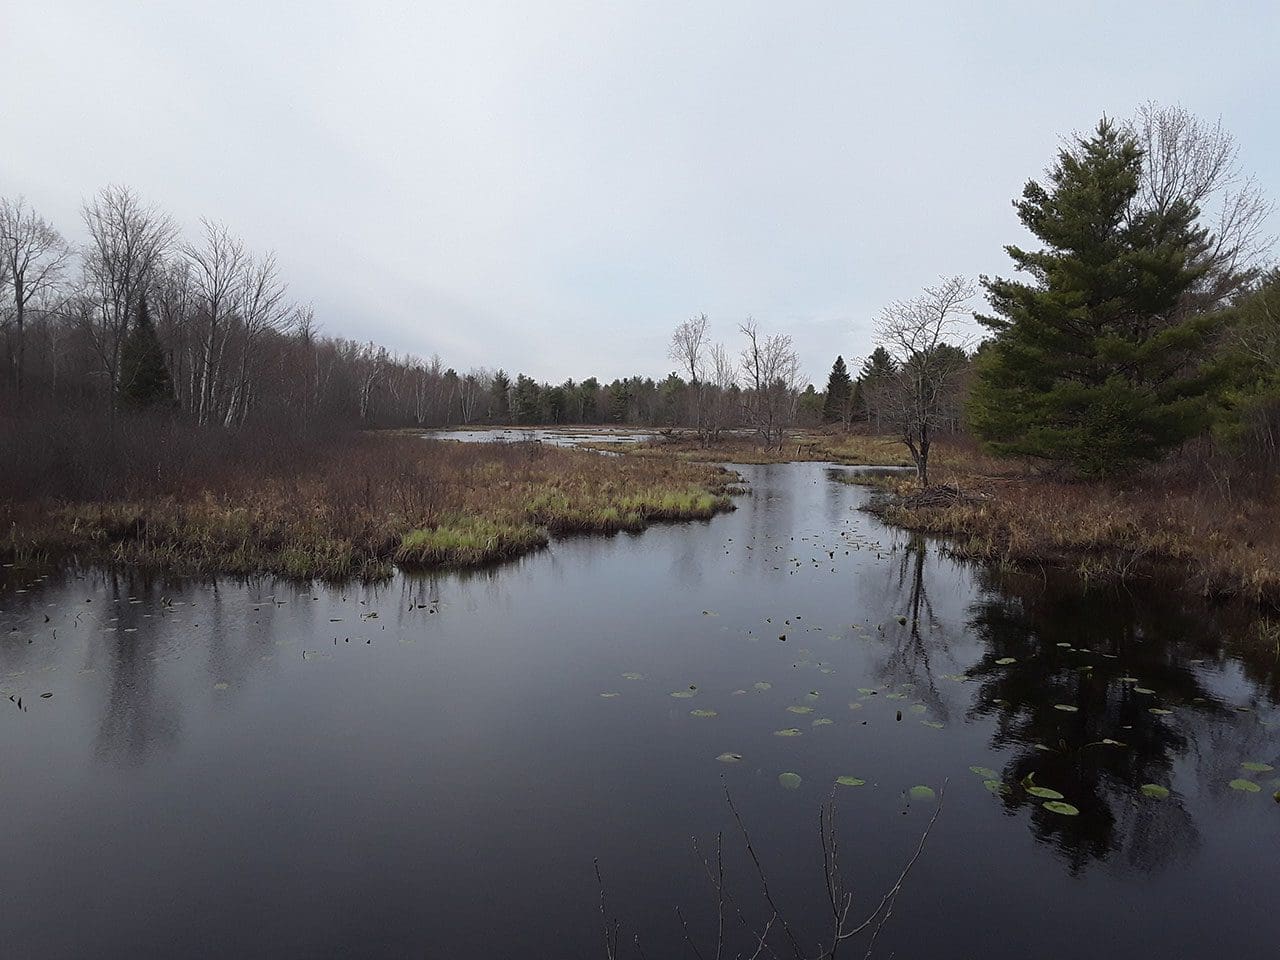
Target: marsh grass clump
[(468, 541)]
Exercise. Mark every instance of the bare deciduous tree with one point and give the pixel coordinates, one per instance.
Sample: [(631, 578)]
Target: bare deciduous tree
[(217, 273), (128, 240), (771, 370), (688, 346), (915, 399), (1192, 161), (32, 257)]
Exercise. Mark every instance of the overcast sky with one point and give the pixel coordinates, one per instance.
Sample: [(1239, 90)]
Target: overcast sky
[(552, 187)]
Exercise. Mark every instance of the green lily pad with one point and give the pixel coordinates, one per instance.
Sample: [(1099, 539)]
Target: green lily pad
[(1005, 661), (1044, 793), (790, 781), (995, 786), (633, 676), (855, 706), (1113, 743), (703, 713), (729, 757), (1057, 806), (799, 709), (823, 722), (850, 781), (789, 732), (932, 724), (683, 694), (867, 691), (1245, 786), (1159, 711), (1254, 767), (919, 708), (1155, 791), (986, 772), (763, 685), (1066, 708), (1147, 690), (610, 696), (220, 686), (921, 792), (896, 696)]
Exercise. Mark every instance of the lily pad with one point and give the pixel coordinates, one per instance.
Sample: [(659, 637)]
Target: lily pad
[(789, 732), (790, 781), (855, 706), (633, 676), (729, 757), (219, 686), (702, 713), (919, 708), (1159, 711), (763, 685), (850, 781), (610, 696), (683, 694), (1254, 767), (995, 786), (1045, 793), (823, 722), (1057, 806), (921, 792), (986, 772), (867, 691), (799, 709), (1005, 661), (933, 724), (1155, 791), (1147, 690), (1244, 786), (1066, 708)]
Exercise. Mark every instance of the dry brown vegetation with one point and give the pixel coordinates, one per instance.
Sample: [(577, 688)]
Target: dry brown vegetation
[(1194, 513), (158, 493)]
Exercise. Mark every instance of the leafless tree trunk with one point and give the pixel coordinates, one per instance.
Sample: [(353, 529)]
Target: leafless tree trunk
[(688, 344), (34, 255), (771, 370), (128, 241), (218, 268), (914, 332)]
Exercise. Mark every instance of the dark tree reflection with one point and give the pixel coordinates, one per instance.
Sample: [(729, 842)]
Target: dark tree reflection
[(1065, 674)]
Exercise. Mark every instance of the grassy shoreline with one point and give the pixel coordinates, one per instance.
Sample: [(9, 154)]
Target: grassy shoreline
[(363, 506)]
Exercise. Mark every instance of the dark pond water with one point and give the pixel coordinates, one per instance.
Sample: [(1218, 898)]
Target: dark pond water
[(271, 770)]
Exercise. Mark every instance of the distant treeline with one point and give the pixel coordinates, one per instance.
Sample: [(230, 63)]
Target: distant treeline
[(1147, 317)]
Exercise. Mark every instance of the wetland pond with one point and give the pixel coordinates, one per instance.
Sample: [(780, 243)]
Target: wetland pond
[(428, 767)]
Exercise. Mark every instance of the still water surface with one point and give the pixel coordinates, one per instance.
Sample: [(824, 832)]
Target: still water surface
[(428, 767)]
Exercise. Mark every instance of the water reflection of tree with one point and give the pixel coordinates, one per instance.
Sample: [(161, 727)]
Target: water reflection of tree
[(1072, 647), (137, 719), (912, 651)]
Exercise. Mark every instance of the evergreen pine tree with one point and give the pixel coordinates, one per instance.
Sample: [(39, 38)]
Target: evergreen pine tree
[(839, 393), (1097, 361), (500, 406), (144, 379)]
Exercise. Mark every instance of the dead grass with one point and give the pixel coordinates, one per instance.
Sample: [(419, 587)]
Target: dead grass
[(356, 507), (1222, 538)]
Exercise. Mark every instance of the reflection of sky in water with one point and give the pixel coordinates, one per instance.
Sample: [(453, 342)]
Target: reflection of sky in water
[(437, 778)]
